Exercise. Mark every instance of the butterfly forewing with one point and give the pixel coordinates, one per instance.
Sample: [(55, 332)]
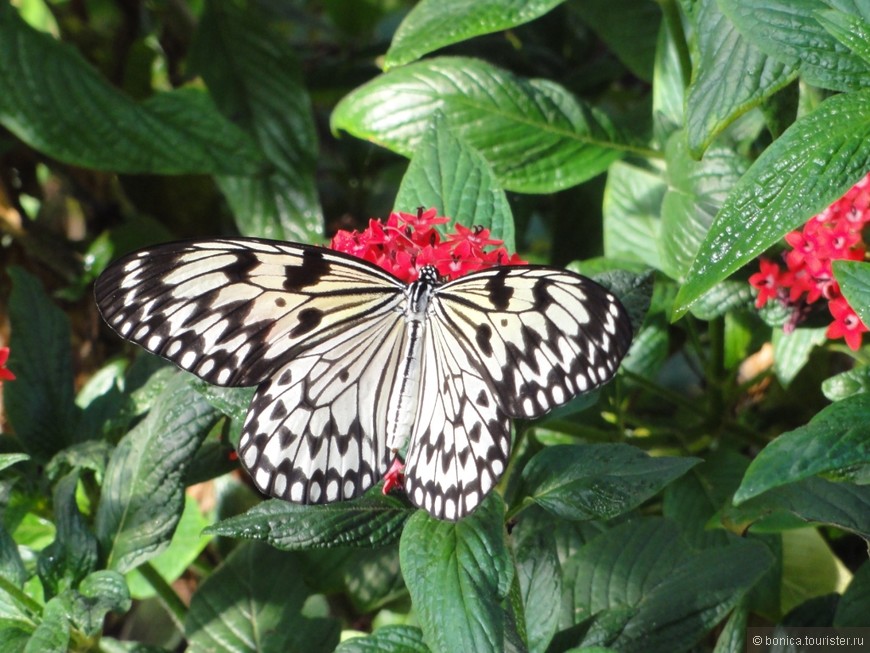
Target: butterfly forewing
[(540, 336), (234, 311)]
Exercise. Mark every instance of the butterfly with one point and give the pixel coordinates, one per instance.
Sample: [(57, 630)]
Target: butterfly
[(354, 366)]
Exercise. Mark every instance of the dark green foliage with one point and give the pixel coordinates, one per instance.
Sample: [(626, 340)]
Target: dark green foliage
[(666, 144)]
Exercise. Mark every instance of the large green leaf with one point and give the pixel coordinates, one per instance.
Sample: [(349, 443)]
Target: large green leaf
[(252, 73), (836, 439), (448, 174), (597, 481), (539, 578), (433, 24), (844, 505), (57, 103), (629, 28), (184, 548), (143, 493), (696, 192), (458, 574), (254, 602), (536, 136), (812, 164), (40, 403), (848, 27), (632, 214), (369, 521), (658, 593), (854, 280), (731, 77), (789, 31)]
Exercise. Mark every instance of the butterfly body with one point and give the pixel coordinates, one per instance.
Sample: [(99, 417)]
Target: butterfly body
[(352, 365)]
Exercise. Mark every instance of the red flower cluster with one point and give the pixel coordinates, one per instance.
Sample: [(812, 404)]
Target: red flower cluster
[(5, 375), (406, 243), (834, 234)]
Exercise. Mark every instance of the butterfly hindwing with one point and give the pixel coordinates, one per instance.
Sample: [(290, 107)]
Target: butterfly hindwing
[(234, 311), (541, 336), (461, 439), (315, 431)]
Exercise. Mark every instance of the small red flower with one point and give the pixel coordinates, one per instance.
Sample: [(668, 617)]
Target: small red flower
[(395, 476), (5, 375), (767, 281), (846, 323), (406, 243), (834, 234)]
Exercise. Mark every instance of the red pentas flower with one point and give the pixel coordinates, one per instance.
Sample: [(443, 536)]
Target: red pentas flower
[(835, 233), (5, 375), (407, 242)]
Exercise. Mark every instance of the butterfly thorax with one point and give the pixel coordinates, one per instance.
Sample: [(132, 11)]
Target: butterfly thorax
[(404, 394)]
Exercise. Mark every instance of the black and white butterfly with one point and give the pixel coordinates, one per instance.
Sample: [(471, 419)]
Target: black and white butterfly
[(353, 365)]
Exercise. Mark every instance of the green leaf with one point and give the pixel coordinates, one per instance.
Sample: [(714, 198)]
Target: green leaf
[(170, 133), (844, 505), (40, 403), (854, 606), (723, 298), (789, 31), (101, 592), (630, 30), (812, 164), (186, 545), (52, 634), (667, 596), (252, 73), (369, 521), (536, 136), (448, 174), (731, 77), (597, 481), (539, 576), (632, 214), (809, 567), (854, 280), (253, 602), (9, 459), (848, 383), (434, 24), (73, 555), (143, 493), (389, 639), (791, 351), (11, 565), (851, 30), (696, 497), (732, 638), (458, 574), (837, 438), (696, 192)]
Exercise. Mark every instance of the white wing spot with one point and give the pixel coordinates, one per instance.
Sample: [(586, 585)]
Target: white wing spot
[(280, 485)]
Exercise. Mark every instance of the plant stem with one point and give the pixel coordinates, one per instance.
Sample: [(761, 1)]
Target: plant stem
[(170, 600), (675, 28)]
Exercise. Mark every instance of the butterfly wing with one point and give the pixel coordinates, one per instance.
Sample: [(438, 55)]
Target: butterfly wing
[(539, 336), (509, 341), (460, 442), (318, 331), (233, 312), (316, 431)]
